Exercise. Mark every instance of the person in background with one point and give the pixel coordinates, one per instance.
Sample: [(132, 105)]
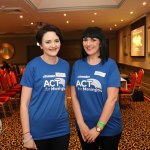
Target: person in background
[(5, 66), (95, 83), (44, 116)]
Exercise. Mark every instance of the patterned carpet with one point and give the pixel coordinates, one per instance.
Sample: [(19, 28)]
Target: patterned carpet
[(136, 128)]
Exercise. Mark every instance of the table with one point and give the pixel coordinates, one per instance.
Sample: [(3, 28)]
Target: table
[(124, 83)]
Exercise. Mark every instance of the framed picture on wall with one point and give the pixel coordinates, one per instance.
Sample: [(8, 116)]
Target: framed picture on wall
[(148, 40), (138, 41)]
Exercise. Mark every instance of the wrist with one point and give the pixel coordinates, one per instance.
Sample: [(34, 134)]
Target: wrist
[(26, 135), (101, 124), (98, 128), (27, 139), (25, 132)]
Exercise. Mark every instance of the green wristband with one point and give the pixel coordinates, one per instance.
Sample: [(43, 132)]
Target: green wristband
[(101, 124)]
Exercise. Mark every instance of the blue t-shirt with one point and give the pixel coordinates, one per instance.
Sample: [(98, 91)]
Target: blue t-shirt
[(47, 113), (91, 83)]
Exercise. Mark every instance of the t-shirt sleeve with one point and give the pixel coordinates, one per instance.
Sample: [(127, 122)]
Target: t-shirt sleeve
[(28, 77), (114, 75)]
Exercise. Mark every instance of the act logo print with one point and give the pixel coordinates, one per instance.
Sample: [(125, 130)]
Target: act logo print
[(89, 85), (55, 84)]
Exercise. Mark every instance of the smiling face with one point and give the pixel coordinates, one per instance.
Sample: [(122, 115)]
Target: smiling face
[(50, 44), (91, 46)]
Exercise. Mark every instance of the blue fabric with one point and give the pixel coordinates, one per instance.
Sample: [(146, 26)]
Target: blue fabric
[(47, 113), (91, 83)]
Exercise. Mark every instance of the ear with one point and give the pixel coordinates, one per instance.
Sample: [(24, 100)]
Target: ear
[(41, 46)]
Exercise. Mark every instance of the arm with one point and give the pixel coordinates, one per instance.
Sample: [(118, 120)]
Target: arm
[(24, 114), (108, 109), (66, 96), (77, 111), (66, 106), (109, 106)]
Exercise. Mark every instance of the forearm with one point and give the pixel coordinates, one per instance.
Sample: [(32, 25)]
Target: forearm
[(24, 113), (24, 118), (77, 111), (66, 106), (109, 105), (76, 107), (107, 111)]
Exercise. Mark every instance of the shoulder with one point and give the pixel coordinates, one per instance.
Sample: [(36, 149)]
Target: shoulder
[(78, 62), (33, 63), (63, 62), (110, 61)]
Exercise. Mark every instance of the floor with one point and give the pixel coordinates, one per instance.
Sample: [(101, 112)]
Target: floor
[(136, 128)]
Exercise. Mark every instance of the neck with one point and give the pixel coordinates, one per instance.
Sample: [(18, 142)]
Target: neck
[(93, 60), (50, 60)]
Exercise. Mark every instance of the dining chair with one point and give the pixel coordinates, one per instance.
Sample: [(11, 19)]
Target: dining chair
[(127, 93), (139, 79), (5, 91), (14, 80), (2, 71), (8, 85), (4, 101)]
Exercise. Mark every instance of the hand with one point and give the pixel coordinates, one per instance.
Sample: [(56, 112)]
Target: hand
[(84, 131), (29, 144), (92, 135)]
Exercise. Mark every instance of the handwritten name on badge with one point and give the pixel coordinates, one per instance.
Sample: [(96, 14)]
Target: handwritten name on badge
[(98, 73), (58, 74)]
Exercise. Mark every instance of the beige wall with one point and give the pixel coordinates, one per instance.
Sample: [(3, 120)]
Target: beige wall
[(124, 49), (20, 44), (70, 50)]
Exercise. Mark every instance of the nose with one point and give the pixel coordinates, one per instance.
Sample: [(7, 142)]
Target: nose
[(88, 42), (53, 44)]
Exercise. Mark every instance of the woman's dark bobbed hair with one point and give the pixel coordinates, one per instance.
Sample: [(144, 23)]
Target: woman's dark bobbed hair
[(96, 32), (48, 28)]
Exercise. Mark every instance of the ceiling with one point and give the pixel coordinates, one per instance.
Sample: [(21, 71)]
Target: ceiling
[(79, 13)]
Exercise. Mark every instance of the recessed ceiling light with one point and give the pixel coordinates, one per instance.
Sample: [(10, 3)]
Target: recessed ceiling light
[(65, 15), (67, 21), (115, 25), (122, 20), (95, 13), (144, 3), (31, 23), (21, 16), (92, 21), (131, 12)]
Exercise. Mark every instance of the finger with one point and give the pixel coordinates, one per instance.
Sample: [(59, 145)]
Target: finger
[(89, 139), (35, 146), (83, 138)]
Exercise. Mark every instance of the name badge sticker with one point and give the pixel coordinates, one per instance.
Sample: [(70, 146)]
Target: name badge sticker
[(59, 74), (99, 73)]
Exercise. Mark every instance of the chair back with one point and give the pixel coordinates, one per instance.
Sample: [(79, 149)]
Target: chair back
[(13, 77), (8, 80), (6, 70), (133, 81), (140, 77), (2, 71), (3, 83)]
